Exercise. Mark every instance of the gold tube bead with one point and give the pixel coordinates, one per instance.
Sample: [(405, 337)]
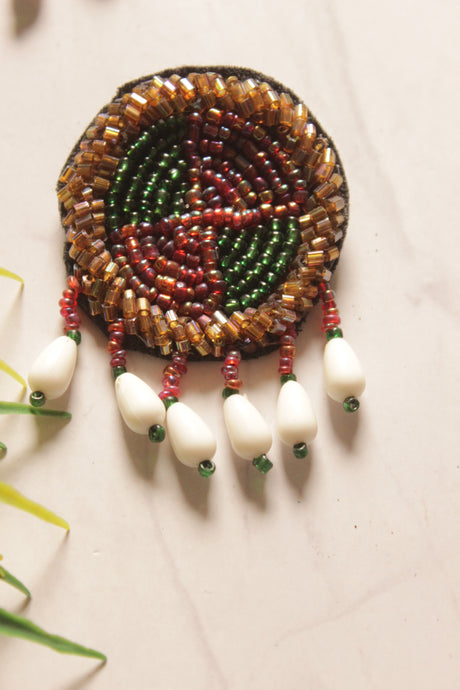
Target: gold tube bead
[(215, 334), (98, 288), (86, 284), (131, 325), (334, 204), (115, 290), (319, 243), (331, 254), (97, 266), (286, 116), (111, 271), (109, 312), (336, 180), (315, 258), (94, 307), (129, 304)]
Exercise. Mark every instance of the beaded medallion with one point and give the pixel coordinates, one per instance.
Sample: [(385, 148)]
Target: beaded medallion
[(204, 213)]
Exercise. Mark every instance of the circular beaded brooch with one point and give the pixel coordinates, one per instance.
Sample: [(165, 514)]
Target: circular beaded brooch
[(204, 212)]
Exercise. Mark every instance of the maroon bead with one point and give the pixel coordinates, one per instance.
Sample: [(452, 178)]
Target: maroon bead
[(180, 291), (196, 310)]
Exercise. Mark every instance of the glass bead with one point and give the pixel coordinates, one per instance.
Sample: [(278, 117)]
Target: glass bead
[(206, 468), (335, 332), (262, 463), (351, 404), (157, 433), (227, 392), (284, 378), (75, 335), (37, 399), (300, 450), (118, 371), (169, 400)]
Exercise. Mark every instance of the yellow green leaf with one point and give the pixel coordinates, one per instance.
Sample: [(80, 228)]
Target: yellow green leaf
[(21, 408), (9, 274), (11, 372), (17, 626), (13, 581), (12, 497)]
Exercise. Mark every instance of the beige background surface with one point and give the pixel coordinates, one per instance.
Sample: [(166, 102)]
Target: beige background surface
[(335, 574)]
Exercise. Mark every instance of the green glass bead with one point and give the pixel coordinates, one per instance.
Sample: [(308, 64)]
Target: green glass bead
[(262, 463), (227, 392), (206, 468), (37, 399), (335, 332), (75, 335), (351, 404), (231, 305), (170, 400), (157, 433), (245, 301), (276, 225), (300, 450), (118, 371), (284, 378)]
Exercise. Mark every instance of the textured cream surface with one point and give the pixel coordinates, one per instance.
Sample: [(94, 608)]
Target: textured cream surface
[(337, 573)]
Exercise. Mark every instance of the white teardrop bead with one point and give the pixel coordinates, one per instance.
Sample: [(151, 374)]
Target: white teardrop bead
[(343, 374), (248, 431), (295, 417), (190, 438), (53, 369), (139, 405)]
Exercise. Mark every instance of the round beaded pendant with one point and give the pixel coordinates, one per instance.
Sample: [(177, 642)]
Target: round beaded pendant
[(204, 212)]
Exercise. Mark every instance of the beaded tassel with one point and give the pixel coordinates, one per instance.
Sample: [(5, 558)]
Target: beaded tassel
[(295, 417), (52, 372), (248, 432), (343, 374)]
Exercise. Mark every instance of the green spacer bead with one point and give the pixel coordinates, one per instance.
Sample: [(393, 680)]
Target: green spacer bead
[(231, 305), (351, 404), (170, 400), (75, 335), (206, 468), (157, 433), (262, 463), (227, 392), (118, 371), (335, 332), (284, 378), (37, 399), (300, 450)]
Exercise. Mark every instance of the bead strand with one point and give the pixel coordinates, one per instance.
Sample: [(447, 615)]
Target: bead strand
[(331, 318), (230, 373), (344, 376), (68, 309), (115, 348), (171, 378)]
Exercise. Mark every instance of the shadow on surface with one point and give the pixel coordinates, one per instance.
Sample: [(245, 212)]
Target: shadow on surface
[(297, 470), (85, 678), (25, 14), (345, 424)]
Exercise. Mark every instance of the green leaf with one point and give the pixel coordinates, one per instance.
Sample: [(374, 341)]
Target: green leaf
[(11, 580), (17, 626), (11, 372), (3, 448), (9, 274), (22, 408), (12, 497)]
